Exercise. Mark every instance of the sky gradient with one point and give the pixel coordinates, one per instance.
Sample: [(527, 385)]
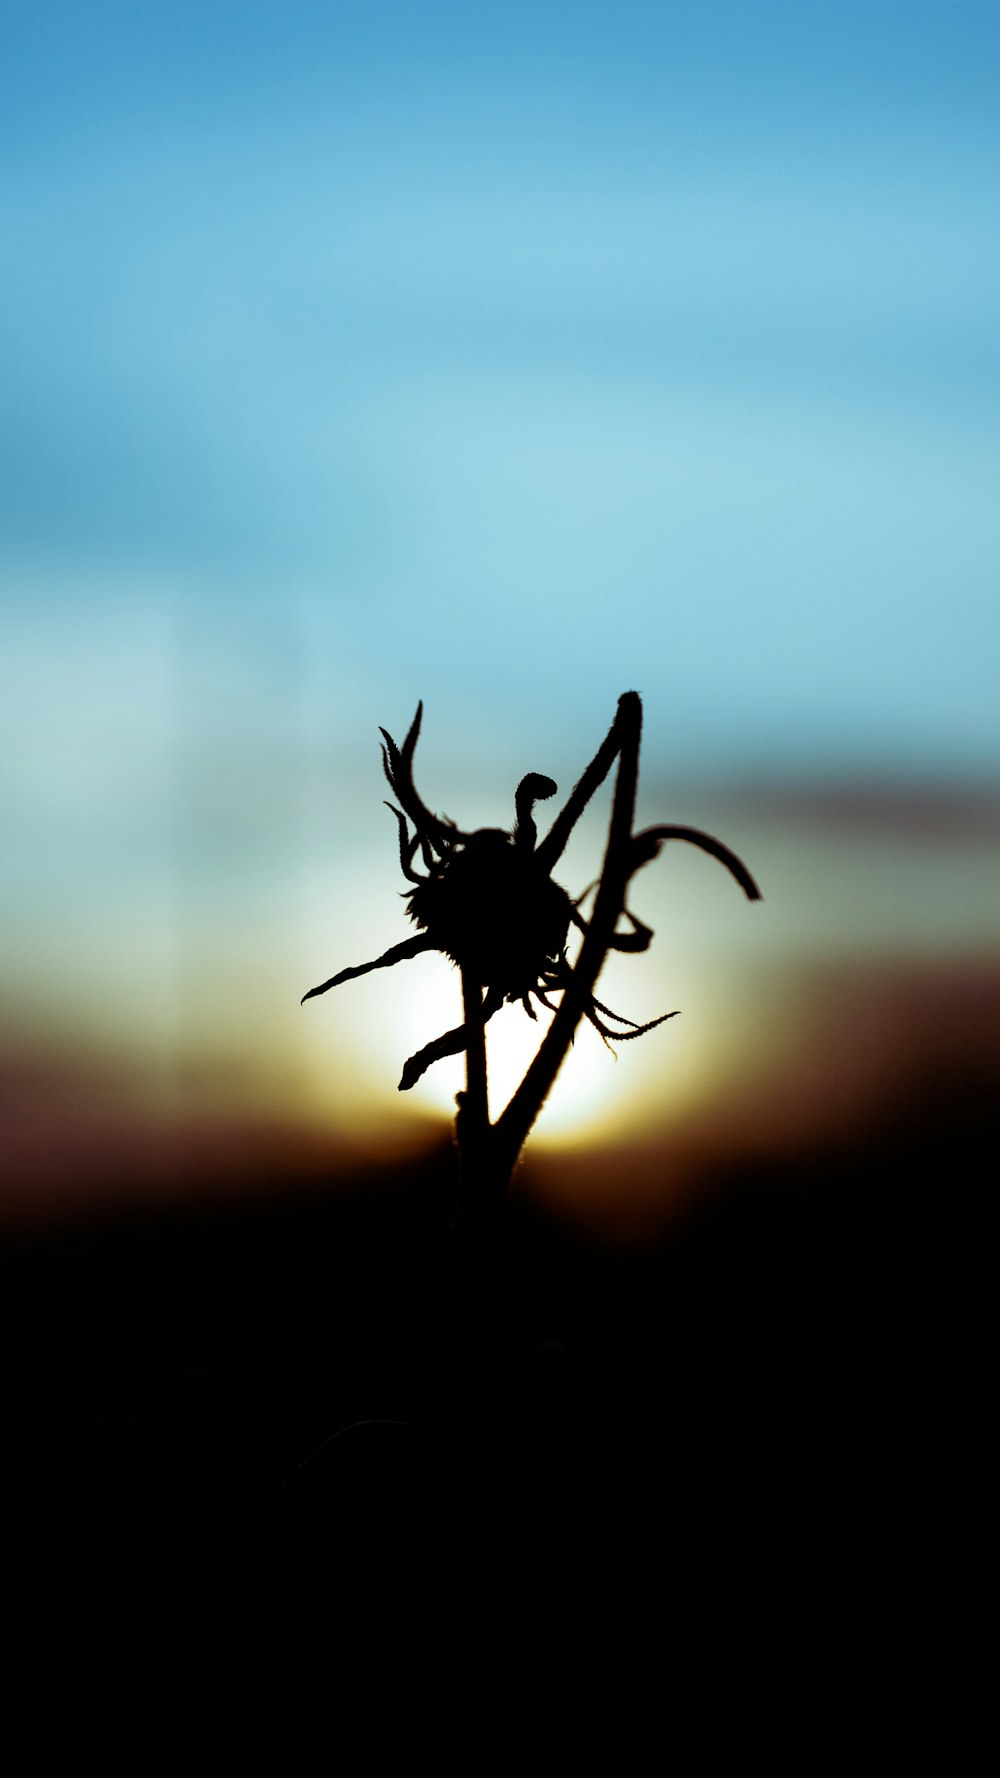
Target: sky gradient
[(360, 353)]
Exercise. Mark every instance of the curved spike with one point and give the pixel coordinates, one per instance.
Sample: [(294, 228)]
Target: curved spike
[(636, 1030), (432, 831), (640, 1030), (410, 947), (624, 1036), (402, 786), (610, 1013), (602, 1030), (407, 846), (649, 841), (388, 748), (413, 735), (534, 788)]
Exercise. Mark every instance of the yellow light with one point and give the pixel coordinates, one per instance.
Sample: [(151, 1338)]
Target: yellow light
[(362, 1035), (579, 1099), (589, 1094)]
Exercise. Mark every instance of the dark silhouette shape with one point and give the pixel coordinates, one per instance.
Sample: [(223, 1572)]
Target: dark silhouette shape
[(489, 902)]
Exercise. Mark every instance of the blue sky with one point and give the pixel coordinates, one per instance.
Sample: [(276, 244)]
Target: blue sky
[(513, 359)]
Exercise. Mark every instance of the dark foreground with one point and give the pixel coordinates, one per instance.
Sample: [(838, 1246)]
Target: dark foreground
[(727, 1491)]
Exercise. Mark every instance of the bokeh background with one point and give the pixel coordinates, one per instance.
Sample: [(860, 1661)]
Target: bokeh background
[(507, 357)]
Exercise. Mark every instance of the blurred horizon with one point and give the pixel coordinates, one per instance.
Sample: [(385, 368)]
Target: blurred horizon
[(364, 353)]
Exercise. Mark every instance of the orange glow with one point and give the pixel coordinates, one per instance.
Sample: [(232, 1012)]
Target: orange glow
[(148, 1058)]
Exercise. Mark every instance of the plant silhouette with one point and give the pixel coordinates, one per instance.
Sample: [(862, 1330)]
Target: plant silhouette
[(488, 901)]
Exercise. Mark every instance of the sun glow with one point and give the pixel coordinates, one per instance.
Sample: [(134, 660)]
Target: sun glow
[(579, 1102), (364, 1032), (593, 1094)]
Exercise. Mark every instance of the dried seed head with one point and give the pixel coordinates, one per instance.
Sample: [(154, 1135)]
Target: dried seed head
[(494, 912)]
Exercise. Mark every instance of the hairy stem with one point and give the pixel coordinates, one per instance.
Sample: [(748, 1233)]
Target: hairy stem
[(475, 1117), (511, 1129), (450, 1377)]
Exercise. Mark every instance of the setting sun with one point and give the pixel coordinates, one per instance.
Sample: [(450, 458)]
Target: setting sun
[(587, 1083)]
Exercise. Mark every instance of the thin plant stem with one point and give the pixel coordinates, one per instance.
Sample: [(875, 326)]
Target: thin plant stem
[(512, 1127), (445, 1384), (475, 1106)]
